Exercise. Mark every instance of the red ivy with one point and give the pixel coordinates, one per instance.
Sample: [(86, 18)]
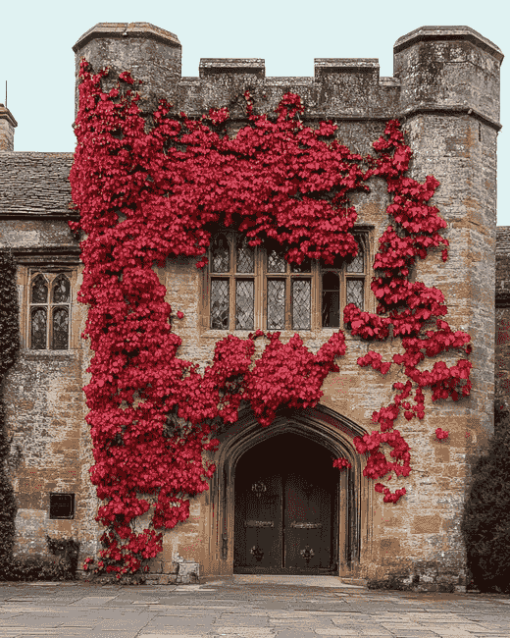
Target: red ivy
[(146, 196)]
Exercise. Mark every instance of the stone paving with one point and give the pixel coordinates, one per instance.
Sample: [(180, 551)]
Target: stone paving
[(247, 607)]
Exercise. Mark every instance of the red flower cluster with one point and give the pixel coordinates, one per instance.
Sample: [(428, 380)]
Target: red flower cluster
[(377, 465), (142, 198), (441, 434), (388, 496), (341, 463)]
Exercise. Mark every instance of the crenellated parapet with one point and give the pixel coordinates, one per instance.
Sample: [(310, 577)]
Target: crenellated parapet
[(452, 70)]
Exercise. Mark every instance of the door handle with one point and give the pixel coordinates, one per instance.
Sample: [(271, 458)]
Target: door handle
[(305, 525), (259, 523)]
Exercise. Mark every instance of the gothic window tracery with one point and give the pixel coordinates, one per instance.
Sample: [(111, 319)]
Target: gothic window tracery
[(251, 288), (50, 298)]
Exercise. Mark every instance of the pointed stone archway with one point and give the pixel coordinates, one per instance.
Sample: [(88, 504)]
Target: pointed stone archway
[(351, 518)]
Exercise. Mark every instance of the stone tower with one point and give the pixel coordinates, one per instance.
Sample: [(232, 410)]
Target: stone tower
[(151, 54), (449, 101)]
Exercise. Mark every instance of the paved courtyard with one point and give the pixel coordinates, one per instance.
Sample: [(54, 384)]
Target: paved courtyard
[(246, 606)]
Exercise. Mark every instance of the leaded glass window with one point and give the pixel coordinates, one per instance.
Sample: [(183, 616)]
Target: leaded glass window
[(245, 292), (219, 304), (288, 297), (251, 288), (245, 256), (355, 292), (232, 296), (357, 265), (60, 329), (355, 286), (39, 290), (49, 313), (275, 304), (38, 325), (301, 304), (276, 261), (220, 261), (61, 288)]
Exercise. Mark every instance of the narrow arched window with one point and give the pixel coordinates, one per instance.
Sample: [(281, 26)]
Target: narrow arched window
[(39, 313), (61, 290), (50, 298), (40, 290)]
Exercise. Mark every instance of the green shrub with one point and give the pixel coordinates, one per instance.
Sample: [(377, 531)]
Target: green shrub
[(485, 523), (9, 346), (67, 550), (61, 565)]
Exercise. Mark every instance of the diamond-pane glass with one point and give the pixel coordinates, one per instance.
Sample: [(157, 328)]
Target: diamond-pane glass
[(245, 256), (355, 292), (301, 304), (60, 329), (245, 293), (358, 263), (219, 304), (330, 300), (38, 328), (276, 261), (39, 290), (275, 304), (220, 261), (61, 289), (305, 266)]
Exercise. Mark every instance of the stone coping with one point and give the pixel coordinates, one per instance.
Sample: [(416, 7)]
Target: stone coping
[(127, 30), (5, 114), (445, 32)]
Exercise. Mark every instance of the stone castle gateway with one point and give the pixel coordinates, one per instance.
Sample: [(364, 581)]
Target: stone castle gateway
[(284, 515)]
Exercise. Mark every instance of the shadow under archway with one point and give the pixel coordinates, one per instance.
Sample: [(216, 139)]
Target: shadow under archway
[(286, 496)]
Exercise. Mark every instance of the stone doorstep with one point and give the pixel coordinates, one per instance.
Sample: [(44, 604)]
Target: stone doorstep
[(361, 582)]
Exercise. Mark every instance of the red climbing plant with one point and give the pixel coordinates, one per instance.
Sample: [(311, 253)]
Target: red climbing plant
[(146, 196)]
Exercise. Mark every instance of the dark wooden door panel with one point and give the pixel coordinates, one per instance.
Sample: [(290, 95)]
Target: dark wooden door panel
[(284, 508), (258, 523), (307, 522)]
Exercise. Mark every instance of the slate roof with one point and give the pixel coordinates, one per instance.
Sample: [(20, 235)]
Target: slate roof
[(35, 184)]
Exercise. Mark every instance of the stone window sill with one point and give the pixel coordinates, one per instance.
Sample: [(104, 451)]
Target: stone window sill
[(53, 355)]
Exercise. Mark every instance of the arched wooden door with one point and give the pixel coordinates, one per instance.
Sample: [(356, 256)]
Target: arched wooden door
[(286, 490)]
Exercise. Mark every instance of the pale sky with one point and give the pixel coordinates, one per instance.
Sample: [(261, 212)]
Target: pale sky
[(37, 60)]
